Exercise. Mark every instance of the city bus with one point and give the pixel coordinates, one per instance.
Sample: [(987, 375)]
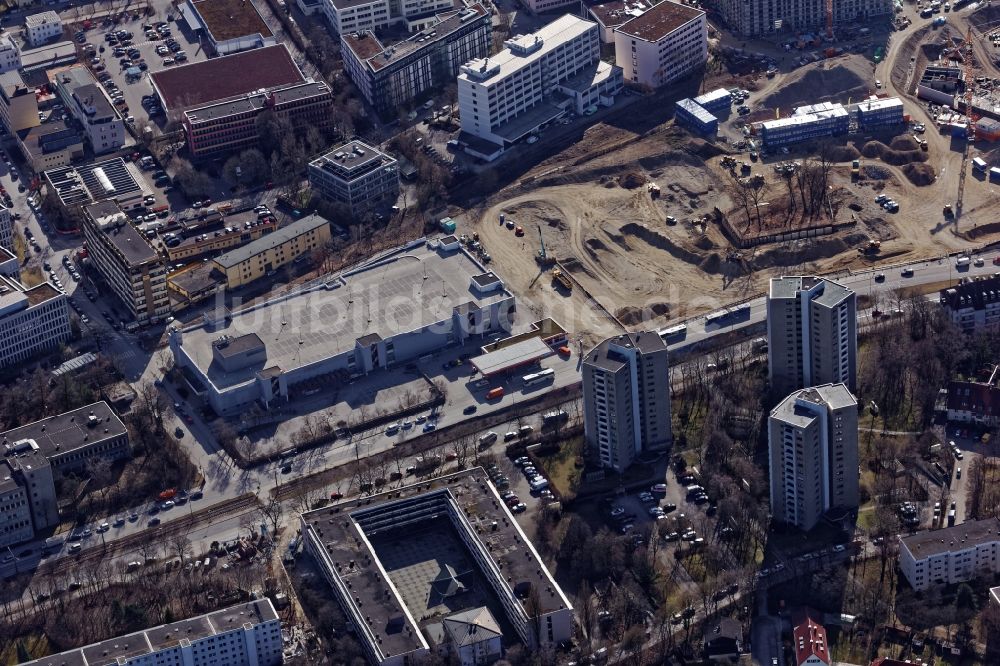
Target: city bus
[(539, 377), (674, 333)]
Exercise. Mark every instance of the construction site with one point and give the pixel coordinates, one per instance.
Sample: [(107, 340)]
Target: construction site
[(657, 224)]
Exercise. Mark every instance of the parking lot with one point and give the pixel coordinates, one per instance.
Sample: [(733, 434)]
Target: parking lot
[(115, 59)]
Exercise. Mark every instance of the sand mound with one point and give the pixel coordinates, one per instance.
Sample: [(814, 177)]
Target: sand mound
[(631, 315), (843, 153), (845, 77), (919, 174), (904, 143), (874, 149), (535, 211), (631, 180), (792, 254)]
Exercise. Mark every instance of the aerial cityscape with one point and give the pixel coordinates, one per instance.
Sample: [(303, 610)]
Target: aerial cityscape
[(517, 332)]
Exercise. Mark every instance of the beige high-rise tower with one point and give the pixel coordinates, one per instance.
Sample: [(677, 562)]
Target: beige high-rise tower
[(812, 334), (813, 454), (626, 399)]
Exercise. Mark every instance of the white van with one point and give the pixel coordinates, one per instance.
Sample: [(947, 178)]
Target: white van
[(539, 484)]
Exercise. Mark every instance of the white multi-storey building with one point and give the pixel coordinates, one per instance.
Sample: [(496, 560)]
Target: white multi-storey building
[(127, 262), (10, 54), (813, 454), (348, 16), (812, 333), (507, 96), (974, 305), (6, 229), (86, 101), (32, 320), (395, 73), (245, 635), (950, 555), (663, 44), (626, 399), (27, 496), (42, 28)]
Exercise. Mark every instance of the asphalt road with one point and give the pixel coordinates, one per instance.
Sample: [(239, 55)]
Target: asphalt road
[(862, 282)]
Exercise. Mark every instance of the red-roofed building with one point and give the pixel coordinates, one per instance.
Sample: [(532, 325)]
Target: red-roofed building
[(975, 402), (809, 640)]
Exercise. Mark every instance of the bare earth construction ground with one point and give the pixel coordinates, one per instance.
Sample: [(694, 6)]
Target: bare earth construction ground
[(611, 235)]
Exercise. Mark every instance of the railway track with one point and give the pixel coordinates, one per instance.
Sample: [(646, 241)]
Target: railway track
[(160, 533)]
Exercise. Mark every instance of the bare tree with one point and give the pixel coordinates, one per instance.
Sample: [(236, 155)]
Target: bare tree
[(180, 545), (272, 512)]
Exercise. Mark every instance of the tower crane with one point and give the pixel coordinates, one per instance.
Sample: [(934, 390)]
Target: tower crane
[(829, 18), (970, 118), (541, 253)]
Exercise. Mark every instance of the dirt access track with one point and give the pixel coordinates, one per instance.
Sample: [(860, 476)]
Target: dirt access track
[(599, 220)]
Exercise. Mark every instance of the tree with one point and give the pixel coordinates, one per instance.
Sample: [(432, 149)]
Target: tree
[(194, 183), (272, 512), (23, 655), (181, 546), (965, 599), (250, 167)]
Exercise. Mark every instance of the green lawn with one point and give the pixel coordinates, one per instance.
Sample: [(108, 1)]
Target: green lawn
[(561, 467), (36, 644)]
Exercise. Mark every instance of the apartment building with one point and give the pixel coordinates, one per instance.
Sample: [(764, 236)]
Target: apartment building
[(360, 177), (85, 100), (42, 28), (6, 229), (626, 399), (809, 642), (69, 441), (812, 333), (18, 104), (248, 634), (232, 125), (265, 255), (611, 14), (32, 321), (479, 543), (50, 145), (10, 54), (534, 80), (973, 305), (347, 16), (950, 555), (201, 241), (663, 44), (394, 75), (28, 501), (759, 17), (129, 265), (975, 402), (806, 123), (876, 113), (813, 454)]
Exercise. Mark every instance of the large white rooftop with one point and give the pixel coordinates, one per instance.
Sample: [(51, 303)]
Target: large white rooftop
[(522, 50), (409, 289)]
